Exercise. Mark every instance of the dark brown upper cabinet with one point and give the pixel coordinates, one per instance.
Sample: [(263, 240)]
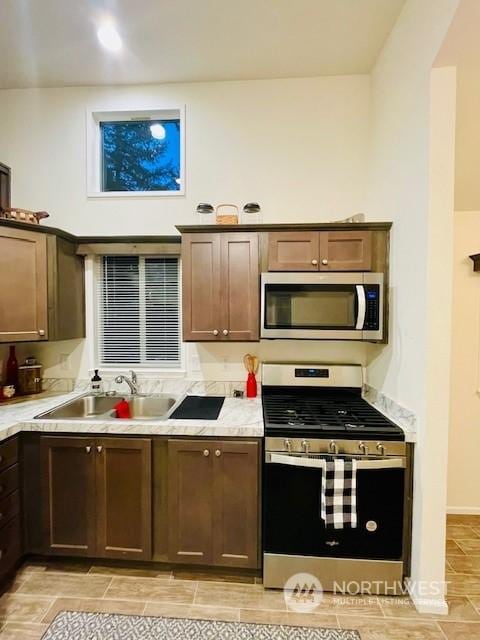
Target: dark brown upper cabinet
[(42, 284), (213, 502), (5, 202), (320, 250), (220, 276), (293, 251), (97, 496)]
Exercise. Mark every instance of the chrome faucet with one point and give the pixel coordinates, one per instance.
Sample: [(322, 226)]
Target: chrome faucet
[(131, 381)]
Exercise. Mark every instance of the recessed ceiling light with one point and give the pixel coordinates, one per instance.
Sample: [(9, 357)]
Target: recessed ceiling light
[(109, 37), (158, 131)]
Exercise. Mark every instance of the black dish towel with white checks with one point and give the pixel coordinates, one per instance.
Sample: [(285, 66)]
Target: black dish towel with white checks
[(338, 498)]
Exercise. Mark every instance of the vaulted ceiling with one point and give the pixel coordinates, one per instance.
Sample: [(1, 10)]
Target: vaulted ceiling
[(53, 43)]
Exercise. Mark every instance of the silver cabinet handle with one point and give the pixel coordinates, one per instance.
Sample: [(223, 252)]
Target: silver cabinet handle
[(99, 449), (206, 453), (218, 453), (314, 262), (215, 332), (41, 332), (88, 449), (225, 332), (324, 261)]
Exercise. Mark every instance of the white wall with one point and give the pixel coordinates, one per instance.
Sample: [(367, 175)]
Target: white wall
[(297, 146), (464, 441), (405, 177)]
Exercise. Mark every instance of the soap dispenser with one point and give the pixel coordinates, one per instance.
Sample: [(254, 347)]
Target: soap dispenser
[(96, 384)]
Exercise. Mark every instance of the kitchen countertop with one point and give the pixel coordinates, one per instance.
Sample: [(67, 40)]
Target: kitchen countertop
[(238, 418)]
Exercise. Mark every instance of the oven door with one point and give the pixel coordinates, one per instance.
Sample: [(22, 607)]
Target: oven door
[(313, 306), (291, 506)]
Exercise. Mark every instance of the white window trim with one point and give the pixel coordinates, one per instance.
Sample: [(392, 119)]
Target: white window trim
[(92, 319), (93, 119)]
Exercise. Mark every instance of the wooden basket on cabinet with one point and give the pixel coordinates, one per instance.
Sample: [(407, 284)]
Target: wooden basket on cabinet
[(226, 218)]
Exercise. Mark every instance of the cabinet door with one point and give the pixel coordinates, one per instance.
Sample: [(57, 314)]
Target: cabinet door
[(124, 498), (201, 286), (4, 186), (240, 286), (23, 283), (190, 496), (236, 504), (293, 251), (68, 488), (345, 250)]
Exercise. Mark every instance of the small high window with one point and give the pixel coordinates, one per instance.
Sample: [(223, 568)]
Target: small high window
[(136, 153)]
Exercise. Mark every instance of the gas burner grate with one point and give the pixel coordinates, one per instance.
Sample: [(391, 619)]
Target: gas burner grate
[(328, 410)]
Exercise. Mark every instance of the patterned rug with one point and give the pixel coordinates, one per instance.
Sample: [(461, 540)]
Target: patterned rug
[(71, 625)]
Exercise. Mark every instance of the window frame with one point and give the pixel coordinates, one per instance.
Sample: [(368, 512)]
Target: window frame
[(93, 269), (94, 151)]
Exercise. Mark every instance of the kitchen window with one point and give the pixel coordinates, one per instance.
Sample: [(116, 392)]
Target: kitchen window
[(138, 311), (135, 153)]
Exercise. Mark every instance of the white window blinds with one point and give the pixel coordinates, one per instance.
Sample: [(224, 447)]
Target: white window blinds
[(139, 311)]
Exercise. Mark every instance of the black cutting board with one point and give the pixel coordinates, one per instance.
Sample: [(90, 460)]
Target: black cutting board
[(199, 408)]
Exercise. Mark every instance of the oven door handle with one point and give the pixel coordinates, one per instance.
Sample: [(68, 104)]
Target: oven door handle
[(362, 307), (319, 463)]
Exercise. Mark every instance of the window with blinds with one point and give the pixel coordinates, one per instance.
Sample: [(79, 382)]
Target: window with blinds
[(139, 311)]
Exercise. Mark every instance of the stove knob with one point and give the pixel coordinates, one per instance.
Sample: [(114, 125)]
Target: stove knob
[(333, 447), (381, 448), (363, 448), (288, 445), (306, 446)]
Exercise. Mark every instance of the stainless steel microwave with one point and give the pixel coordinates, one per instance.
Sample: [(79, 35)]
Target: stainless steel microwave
[(322, 306)]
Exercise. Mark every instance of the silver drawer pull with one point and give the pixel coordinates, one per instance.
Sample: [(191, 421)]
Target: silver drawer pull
[(99, 449), (218, 453), (206, 453), (88, 449)]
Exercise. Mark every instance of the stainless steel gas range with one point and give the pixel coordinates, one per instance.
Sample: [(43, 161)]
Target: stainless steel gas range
[(316, 412)]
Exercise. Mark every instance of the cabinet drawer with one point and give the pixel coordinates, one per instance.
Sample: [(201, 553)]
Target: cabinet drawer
[(8, 453), (10, 546), (9, 508), (9, 481)]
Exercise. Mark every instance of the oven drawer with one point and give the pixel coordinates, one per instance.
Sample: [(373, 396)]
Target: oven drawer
[(292, 523)]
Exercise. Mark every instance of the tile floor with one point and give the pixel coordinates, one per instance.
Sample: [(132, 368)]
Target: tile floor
[(41, 590)]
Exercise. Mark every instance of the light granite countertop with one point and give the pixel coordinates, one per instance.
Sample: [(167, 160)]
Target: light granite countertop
[(238, 418)]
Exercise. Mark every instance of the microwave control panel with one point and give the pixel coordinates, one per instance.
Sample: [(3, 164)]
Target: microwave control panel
[(372, 313)]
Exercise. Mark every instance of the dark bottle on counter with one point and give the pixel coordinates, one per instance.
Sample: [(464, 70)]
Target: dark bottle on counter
[(11, 377)]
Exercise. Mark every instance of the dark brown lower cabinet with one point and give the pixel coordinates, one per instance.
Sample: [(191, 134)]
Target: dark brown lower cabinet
[(68, 485), (213, 502), (10, 503), (124, 497), (97, 496)]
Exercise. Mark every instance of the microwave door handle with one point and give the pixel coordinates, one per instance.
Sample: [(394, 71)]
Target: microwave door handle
[(362, 307)]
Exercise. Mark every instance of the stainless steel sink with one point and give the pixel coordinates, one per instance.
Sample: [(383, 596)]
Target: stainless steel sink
[(91, 407), (150, 407)]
